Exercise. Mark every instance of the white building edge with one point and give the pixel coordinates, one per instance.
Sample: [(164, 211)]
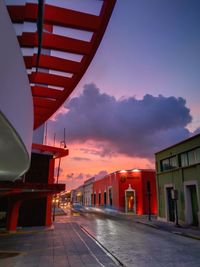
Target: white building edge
[(16, 106)]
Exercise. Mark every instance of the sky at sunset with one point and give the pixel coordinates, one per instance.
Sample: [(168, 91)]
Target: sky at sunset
[(140, 93)]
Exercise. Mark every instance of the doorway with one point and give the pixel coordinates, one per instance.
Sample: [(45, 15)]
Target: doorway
[(170, 204), (191, 205), (110, 196), (105, 201), (130, 202)]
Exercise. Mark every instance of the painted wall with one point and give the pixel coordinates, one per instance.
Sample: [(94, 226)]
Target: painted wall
[(178, 178), (119, 182), (88, 191)]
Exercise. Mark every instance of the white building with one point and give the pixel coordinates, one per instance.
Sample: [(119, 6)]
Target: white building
[(87, 191)]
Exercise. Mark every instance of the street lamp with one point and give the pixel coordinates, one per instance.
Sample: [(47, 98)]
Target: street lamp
[(149, 199), (58, 171)]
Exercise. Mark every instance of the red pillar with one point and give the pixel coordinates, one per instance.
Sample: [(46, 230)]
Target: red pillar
[(13, 213), (48, 221)]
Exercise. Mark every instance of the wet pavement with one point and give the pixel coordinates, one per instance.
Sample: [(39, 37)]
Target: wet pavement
[(135, 244), (180, 229), (65, 245), (70, 244)]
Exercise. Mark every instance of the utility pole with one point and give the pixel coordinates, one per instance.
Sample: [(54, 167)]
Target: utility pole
[(63, 142)]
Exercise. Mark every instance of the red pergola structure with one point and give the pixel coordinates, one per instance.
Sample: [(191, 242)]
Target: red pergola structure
[(50, 90), (52, 80)]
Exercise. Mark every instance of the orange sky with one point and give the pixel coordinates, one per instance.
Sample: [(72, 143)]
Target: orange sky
[(81, 165)]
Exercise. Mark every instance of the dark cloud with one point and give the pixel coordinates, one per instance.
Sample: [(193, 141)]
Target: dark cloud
[(70, 176), (128, 126), (81, 159), (78, 176), (82, 176)]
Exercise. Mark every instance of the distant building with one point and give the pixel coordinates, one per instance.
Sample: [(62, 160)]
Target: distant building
[(178, 176), (78, 193), (130, 191), (88, 191), (73, 196)]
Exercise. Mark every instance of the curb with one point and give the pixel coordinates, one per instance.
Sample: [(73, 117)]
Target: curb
[(148, 224), (110, 254), (187, 235), (152, 225), (171, 231)]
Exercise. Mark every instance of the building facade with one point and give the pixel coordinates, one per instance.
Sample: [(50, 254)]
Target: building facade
[(178, 182), (79, 195), (88, 191), (128, 191)]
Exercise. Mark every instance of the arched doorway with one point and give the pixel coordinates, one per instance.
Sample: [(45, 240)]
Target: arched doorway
[(130, 201)]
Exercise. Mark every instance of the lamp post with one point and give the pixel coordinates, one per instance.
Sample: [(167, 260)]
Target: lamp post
[(149, 199), (58, 173)]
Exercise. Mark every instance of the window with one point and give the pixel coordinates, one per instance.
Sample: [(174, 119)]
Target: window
[(169, 163), (197, 154), (165, 165), (173, 162), (99, 198), (105, 198), (191, 157), (184, 160), (110, 196)]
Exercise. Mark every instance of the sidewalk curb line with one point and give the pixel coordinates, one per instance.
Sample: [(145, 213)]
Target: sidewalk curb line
[(188, 235), (150, 225), (110, 254), (153, 226)]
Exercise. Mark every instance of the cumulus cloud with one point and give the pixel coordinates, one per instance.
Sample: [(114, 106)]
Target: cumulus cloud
[(197, 131), (129, 126)]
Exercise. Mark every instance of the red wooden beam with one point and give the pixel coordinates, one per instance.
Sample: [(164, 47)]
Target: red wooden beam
[(66, 18), (54, 63), (55, 42), (55, 16), (43, 102), (45, 92), (50, 79)]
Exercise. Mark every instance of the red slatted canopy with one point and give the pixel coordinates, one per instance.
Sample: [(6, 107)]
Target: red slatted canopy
[(45, 98)]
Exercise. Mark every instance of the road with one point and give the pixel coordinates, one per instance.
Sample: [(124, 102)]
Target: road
[(136, 244)]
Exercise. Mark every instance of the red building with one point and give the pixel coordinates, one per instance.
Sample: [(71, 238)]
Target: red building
[(129, 191), (28, 201)]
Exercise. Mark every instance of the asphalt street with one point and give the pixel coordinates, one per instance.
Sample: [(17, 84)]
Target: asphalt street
[(139, 245), (91, 240)]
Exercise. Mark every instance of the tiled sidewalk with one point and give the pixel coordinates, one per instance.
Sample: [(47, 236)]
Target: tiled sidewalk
[(65, 245)]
